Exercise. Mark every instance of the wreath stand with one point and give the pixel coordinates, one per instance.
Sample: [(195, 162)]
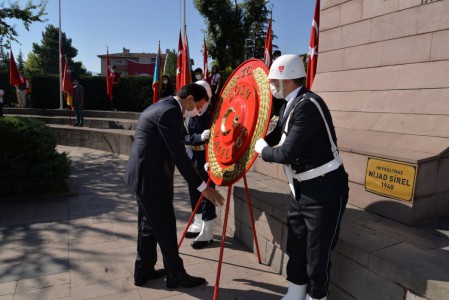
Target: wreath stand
[(241, 116), (225, 224)]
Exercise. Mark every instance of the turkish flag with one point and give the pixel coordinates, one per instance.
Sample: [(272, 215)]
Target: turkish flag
[(14, 77), (268, 46), (179, 63), (312, 58), (108, 76), (205, 65), (186, 76)]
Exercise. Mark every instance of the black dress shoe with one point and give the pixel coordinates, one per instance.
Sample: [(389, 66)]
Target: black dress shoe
[(200, 244), (75, 125), (154, 274), (184, 280)]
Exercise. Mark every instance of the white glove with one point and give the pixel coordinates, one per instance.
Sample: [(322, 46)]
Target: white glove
[(260, 144), (205, 135), (206, 167)]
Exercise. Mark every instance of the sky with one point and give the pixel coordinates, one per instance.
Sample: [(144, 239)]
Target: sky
[(139, 25)]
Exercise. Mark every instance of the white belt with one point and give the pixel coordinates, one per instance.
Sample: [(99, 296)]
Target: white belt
[(321, 170), (199, 148)]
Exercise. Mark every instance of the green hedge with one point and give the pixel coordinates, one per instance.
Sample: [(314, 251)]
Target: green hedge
[(135, 93), (29, 162)]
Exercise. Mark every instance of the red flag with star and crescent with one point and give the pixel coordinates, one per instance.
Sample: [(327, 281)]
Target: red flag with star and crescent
[(312, 57)]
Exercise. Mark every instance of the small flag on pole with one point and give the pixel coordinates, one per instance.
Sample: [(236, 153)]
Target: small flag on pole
[(205, 65), (14, 78), (157, 82), (108, 76), (179, 63), (67, 86), (186, 76), (268, 45), (312, 58)]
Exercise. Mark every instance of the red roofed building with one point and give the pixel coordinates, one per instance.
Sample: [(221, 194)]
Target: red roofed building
[(131, 64)]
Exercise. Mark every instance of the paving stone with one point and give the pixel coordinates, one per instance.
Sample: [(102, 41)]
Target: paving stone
[(7, 288)]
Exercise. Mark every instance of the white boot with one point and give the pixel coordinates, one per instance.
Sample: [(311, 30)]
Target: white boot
[(310, 298), (195, 227), (206, 235), (295, 292)]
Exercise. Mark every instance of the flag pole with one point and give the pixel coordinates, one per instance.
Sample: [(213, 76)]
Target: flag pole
[(184, 15), (59, 60)]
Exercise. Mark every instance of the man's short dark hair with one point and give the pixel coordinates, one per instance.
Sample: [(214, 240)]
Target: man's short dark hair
[(277, 53), (113, 67), (198, 70), (197, 91)]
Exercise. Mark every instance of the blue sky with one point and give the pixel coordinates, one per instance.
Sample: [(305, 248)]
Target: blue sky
[(139, 24)]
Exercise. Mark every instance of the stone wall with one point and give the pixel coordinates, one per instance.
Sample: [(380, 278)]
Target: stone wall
[(383, 71)]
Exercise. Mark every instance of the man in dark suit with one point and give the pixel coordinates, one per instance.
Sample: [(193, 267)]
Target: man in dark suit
[(304, 141), (159, 146)]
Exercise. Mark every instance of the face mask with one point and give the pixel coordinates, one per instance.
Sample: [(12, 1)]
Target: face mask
[(164, 81), (274, 91), (198, 77), (190, 113)]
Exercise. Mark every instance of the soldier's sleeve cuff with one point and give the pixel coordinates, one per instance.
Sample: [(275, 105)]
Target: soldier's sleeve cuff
[(202, 187)]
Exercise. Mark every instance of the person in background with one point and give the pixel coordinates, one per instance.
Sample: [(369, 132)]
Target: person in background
[(1, 102), (215, 82), (167, 88), (21, 90), (115, 88), (276, 54), (304, 141), (199, 74), (78, 102), (157, 148), (198, 133)]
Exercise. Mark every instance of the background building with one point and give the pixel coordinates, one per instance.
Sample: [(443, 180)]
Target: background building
[(131, 64)]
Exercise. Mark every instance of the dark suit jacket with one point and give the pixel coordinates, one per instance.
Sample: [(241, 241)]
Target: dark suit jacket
[(159, 146)]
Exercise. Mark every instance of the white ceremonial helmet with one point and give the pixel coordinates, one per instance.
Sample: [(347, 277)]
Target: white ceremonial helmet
[(288, 66), (206, 86)]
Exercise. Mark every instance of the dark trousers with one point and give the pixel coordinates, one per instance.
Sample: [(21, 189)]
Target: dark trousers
[(157, 225), (115, 95), (207, 209), (313, 228), (79, 112)]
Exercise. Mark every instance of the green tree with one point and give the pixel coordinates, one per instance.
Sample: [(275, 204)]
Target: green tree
[(4, 60), (20, 63), (29, 14), (32, 64), (47, 54), (232, 28), (170, 65), (255, 22)]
